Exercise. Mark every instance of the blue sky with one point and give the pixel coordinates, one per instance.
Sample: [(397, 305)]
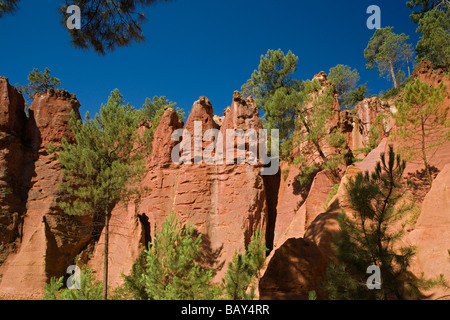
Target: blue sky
[(197, 47)]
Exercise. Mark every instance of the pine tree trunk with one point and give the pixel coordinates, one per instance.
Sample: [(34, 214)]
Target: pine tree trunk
[(409, 70), (393, 75), (105, 258)]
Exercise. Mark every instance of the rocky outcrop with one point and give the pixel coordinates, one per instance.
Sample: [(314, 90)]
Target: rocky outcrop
[(49, 240), (365, 116), (431, 234), (12, 164), (300, 257), (226, 202)]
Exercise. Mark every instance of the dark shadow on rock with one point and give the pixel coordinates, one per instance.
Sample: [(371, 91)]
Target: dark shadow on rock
[(209, 257), (417, 182), (296, 268)]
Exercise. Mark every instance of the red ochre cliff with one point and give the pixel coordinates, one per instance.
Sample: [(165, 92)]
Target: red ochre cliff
[(226, 202)]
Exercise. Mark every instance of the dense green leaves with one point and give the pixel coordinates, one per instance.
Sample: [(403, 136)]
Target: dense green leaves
[(434, 44), (344, 80), (390, 52), (276, 92), (107, 24), (99, 168), (297, 110), (170, 269), (243, 269), (153, 109), (356, 96), (107, 155), (424, 6), (90, 288), (372, 235), (7, 6)]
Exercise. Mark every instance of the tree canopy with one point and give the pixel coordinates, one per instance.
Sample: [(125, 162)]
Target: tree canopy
[(105, 25), (422, 122), (389, 51), (372, 236), (424, 6), (434, 44), (98, 168), (344, 79)]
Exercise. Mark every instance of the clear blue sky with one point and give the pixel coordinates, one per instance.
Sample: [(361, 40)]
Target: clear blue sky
[(197, 47)]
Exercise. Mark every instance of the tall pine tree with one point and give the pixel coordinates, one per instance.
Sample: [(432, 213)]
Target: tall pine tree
[(99, 167), (171, 269), (422, 122), (371, 236)]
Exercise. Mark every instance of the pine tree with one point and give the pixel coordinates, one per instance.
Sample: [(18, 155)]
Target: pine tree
[(389, 51), (371, 236), (7, 6), (39, 82), (344, 80), (100, 166), (90, 289), (426, 6), (422, 122), (313, 134), (153, 109), (356, 96), (274, 76), (434, 44), (172, 270), (244, 268)]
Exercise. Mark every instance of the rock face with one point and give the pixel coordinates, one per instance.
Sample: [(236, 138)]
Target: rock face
[(431, 234), (48, 240), (12, 163), (226, 202), (298, 262)]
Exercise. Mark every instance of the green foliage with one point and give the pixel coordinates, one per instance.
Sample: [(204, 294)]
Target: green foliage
[(372, 236), (285, 173), (90, 289), (153, 109), (356, 96), (7, 6), (108, 155), (275, 92), (100, 166), (313, 133), (434, 44), (422, 121), (344, 80), (244, 268), (312, 295), (39, 82), (389, 51), (331, 194), (425, 6), (169, 269), (376, 131), (133, 287), (107, 24), (391, 93)]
